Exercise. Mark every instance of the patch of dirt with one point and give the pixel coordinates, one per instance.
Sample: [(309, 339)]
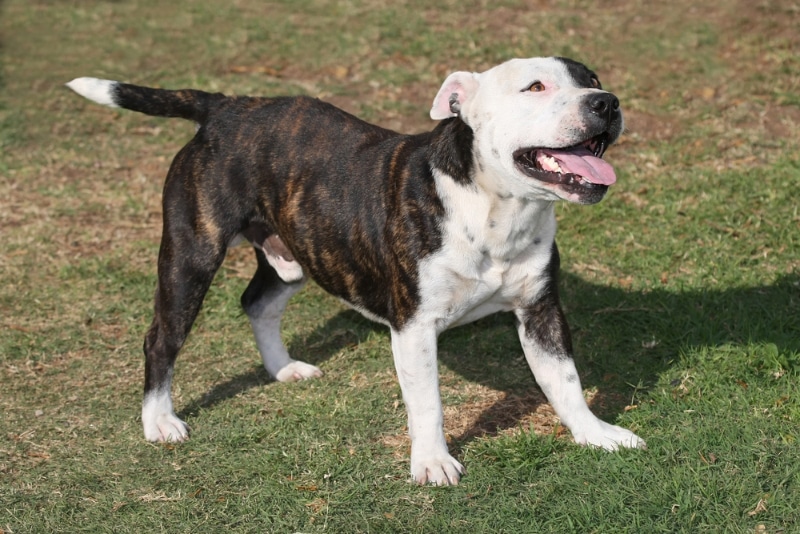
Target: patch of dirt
[(496, 412), (489, 413)]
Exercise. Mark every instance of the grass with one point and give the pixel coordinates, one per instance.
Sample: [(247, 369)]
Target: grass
[(682, 287)]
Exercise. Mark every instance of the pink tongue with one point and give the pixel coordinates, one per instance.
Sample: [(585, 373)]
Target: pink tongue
[(582, 162)]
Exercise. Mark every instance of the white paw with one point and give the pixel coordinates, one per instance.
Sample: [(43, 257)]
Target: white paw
[(297, 371), (166, 427), (437, 469), (609, 437)]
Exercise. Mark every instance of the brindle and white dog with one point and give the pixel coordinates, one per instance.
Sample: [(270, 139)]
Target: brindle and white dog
[(419, 232)]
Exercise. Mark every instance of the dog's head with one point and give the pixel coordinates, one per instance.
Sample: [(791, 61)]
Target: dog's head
[(541, 126)]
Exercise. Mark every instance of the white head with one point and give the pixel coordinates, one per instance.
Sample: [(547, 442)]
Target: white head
[(540, 126)]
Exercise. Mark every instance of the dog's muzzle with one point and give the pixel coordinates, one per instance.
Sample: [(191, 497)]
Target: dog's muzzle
[(581, 164), (579, 169)]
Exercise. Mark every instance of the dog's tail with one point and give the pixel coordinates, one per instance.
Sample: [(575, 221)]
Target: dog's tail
[(189, 104)]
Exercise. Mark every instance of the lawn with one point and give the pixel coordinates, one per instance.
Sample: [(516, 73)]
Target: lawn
[(682, 287)]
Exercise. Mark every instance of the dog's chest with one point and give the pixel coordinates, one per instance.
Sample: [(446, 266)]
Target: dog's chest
[(493, 256)]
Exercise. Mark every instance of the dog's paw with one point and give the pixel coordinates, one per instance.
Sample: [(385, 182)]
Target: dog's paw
[(437, 469), (297, 371), (609, 437), (166, 427)]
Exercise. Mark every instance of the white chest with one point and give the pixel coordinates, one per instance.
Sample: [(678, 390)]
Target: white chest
[(493, 257)]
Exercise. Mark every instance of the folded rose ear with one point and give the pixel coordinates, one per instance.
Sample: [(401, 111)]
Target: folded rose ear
[(457, 89)]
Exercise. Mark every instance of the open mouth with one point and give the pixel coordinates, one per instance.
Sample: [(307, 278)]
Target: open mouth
[(578, 165)]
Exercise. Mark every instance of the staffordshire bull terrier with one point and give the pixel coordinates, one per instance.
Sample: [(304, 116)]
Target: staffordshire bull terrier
[(419, 232)]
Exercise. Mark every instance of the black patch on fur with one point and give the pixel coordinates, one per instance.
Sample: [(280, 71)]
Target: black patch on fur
[(451, 150), (571, 378), (355, 204), (544, 320), (580, 73)]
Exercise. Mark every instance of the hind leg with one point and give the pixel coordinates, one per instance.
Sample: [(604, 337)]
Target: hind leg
[(264, 301), (187, 263)]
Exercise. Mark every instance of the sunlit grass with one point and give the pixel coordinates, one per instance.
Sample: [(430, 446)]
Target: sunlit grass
[(682, 287)]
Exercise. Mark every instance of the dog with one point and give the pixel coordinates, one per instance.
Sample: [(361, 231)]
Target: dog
[(419, 232)]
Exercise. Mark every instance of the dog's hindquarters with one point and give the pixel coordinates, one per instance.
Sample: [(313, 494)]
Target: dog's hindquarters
[(192, 250), (196, 233), (183, 278)]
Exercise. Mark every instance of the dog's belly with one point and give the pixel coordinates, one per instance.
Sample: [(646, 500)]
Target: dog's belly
[(479, 312)]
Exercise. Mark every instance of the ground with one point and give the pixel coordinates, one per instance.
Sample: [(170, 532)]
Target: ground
[(682, 287)]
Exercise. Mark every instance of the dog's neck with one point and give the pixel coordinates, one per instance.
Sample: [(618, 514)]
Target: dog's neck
[(501, 228), (498, 222)]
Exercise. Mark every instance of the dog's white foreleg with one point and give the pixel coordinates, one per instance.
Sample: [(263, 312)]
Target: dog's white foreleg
[(414, 350), (554, 370)]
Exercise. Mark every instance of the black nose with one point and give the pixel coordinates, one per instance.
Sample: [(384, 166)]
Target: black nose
[(604, 104)]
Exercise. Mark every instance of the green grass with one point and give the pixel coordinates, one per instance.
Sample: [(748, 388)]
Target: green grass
[(682, 287)]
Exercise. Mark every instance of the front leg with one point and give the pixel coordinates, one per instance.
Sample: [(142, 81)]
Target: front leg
[(414, 350), (545, 338)]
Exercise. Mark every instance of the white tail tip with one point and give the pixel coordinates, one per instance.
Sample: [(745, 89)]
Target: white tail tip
[(95, 89)]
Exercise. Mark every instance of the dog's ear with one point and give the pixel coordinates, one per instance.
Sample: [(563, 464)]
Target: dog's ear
[(457, 89)]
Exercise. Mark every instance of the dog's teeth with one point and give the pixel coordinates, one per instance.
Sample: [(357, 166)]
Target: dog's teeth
[(550, 164)]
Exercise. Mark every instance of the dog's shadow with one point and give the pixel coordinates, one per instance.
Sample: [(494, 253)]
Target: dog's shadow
[(623, 340)]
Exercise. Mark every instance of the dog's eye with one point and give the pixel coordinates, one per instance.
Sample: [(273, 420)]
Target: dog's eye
[(595, 83), (536, 87)]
